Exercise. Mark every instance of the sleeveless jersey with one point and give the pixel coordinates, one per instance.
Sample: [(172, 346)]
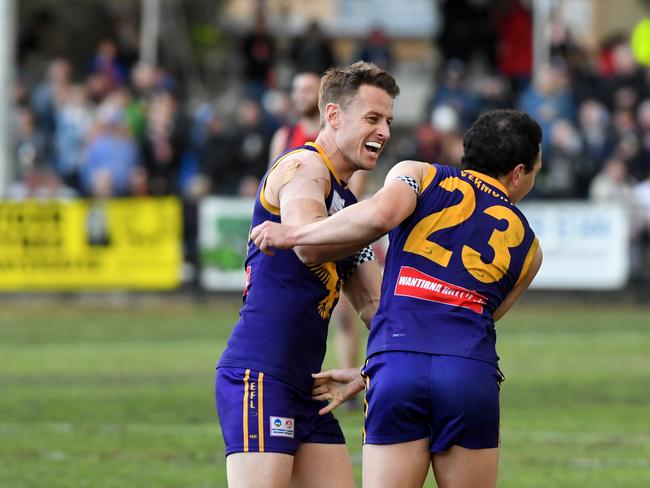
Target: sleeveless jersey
[(449, 266), (297, 136), (283, 323)]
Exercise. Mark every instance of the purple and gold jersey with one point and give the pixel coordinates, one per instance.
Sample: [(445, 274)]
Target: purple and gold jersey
[(449, 266), (283, 323)]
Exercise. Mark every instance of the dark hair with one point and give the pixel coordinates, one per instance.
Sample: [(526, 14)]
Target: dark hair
[(339, 85), (500, 140)]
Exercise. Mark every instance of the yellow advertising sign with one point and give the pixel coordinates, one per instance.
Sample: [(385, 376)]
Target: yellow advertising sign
[(132, 243)]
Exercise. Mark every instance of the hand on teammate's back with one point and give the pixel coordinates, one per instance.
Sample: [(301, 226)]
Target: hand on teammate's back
[(336, 386)]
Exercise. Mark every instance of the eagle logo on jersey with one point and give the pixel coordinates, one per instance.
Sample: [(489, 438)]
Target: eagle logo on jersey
[(329, 276)]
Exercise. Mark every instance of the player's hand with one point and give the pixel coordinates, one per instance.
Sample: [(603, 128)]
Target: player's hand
[(336, 386), (269, 235)]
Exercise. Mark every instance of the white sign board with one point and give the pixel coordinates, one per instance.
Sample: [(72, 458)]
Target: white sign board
[(224, 224), (586, 245)]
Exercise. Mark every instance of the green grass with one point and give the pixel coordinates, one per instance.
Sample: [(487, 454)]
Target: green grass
[(93, 397)]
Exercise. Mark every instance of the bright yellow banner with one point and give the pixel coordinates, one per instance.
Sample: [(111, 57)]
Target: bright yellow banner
[(129, 243)]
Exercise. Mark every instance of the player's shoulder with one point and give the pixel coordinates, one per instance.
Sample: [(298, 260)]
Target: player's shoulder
[(303, 161), (446, 170), (417, 170), (522, 217)]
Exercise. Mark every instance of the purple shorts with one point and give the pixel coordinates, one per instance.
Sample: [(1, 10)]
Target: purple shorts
[(259, 413), (450, 400)]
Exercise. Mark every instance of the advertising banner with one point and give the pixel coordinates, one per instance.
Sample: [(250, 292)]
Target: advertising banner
[(224, 224), (586, 245), (77, 245)]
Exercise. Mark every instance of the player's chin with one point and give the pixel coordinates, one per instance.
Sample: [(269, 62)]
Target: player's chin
[(369, 159)]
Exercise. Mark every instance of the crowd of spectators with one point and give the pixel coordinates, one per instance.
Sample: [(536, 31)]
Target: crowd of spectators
[(592, 103), (118, 127), (114, 126)]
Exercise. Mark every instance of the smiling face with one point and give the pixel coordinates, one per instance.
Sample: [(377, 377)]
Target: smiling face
[(363, 126)]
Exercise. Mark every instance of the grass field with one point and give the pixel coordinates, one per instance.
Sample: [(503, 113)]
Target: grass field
[(100, 397)]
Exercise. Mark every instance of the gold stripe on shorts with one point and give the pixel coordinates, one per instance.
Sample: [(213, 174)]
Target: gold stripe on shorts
[(245, 417), (365, 402), (260, 416)]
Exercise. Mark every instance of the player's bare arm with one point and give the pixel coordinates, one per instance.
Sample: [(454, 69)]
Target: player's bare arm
[(363, 290), (365, 221), (521, 286), (298, 186)]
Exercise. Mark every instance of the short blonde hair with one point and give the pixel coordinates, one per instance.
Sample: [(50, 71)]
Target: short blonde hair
[(340, 85)]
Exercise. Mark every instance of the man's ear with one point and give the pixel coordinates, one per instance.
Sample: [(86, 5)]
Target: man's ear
[(333, 115), (516, 174)]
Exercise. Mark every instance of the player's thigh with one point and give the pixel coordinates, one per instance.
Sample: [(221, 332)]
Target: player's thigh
[(322, 466), (403, 465), (255, 469), (459, 467)]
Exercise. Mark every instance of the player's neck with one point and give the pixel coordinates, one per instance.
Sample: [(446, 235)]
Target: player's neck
[(339, 162)]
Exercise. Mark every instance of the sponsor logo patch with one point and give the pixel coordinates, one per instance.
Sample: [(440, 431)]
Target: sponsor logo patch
[(416, 284), (281, 427)]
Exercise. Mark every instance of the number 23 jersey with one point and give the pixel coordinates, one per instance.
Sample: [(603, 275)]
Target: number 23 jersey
[(449, 266)]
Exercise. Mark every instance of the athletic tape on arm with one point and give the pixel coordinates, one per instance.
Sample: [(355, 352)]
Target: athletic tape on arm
[(410, 181), (351, 264)]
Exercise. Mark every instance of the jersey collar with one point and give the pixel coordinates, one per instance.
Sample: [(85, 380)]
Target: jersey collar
[(329, 164), (489, 180)]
